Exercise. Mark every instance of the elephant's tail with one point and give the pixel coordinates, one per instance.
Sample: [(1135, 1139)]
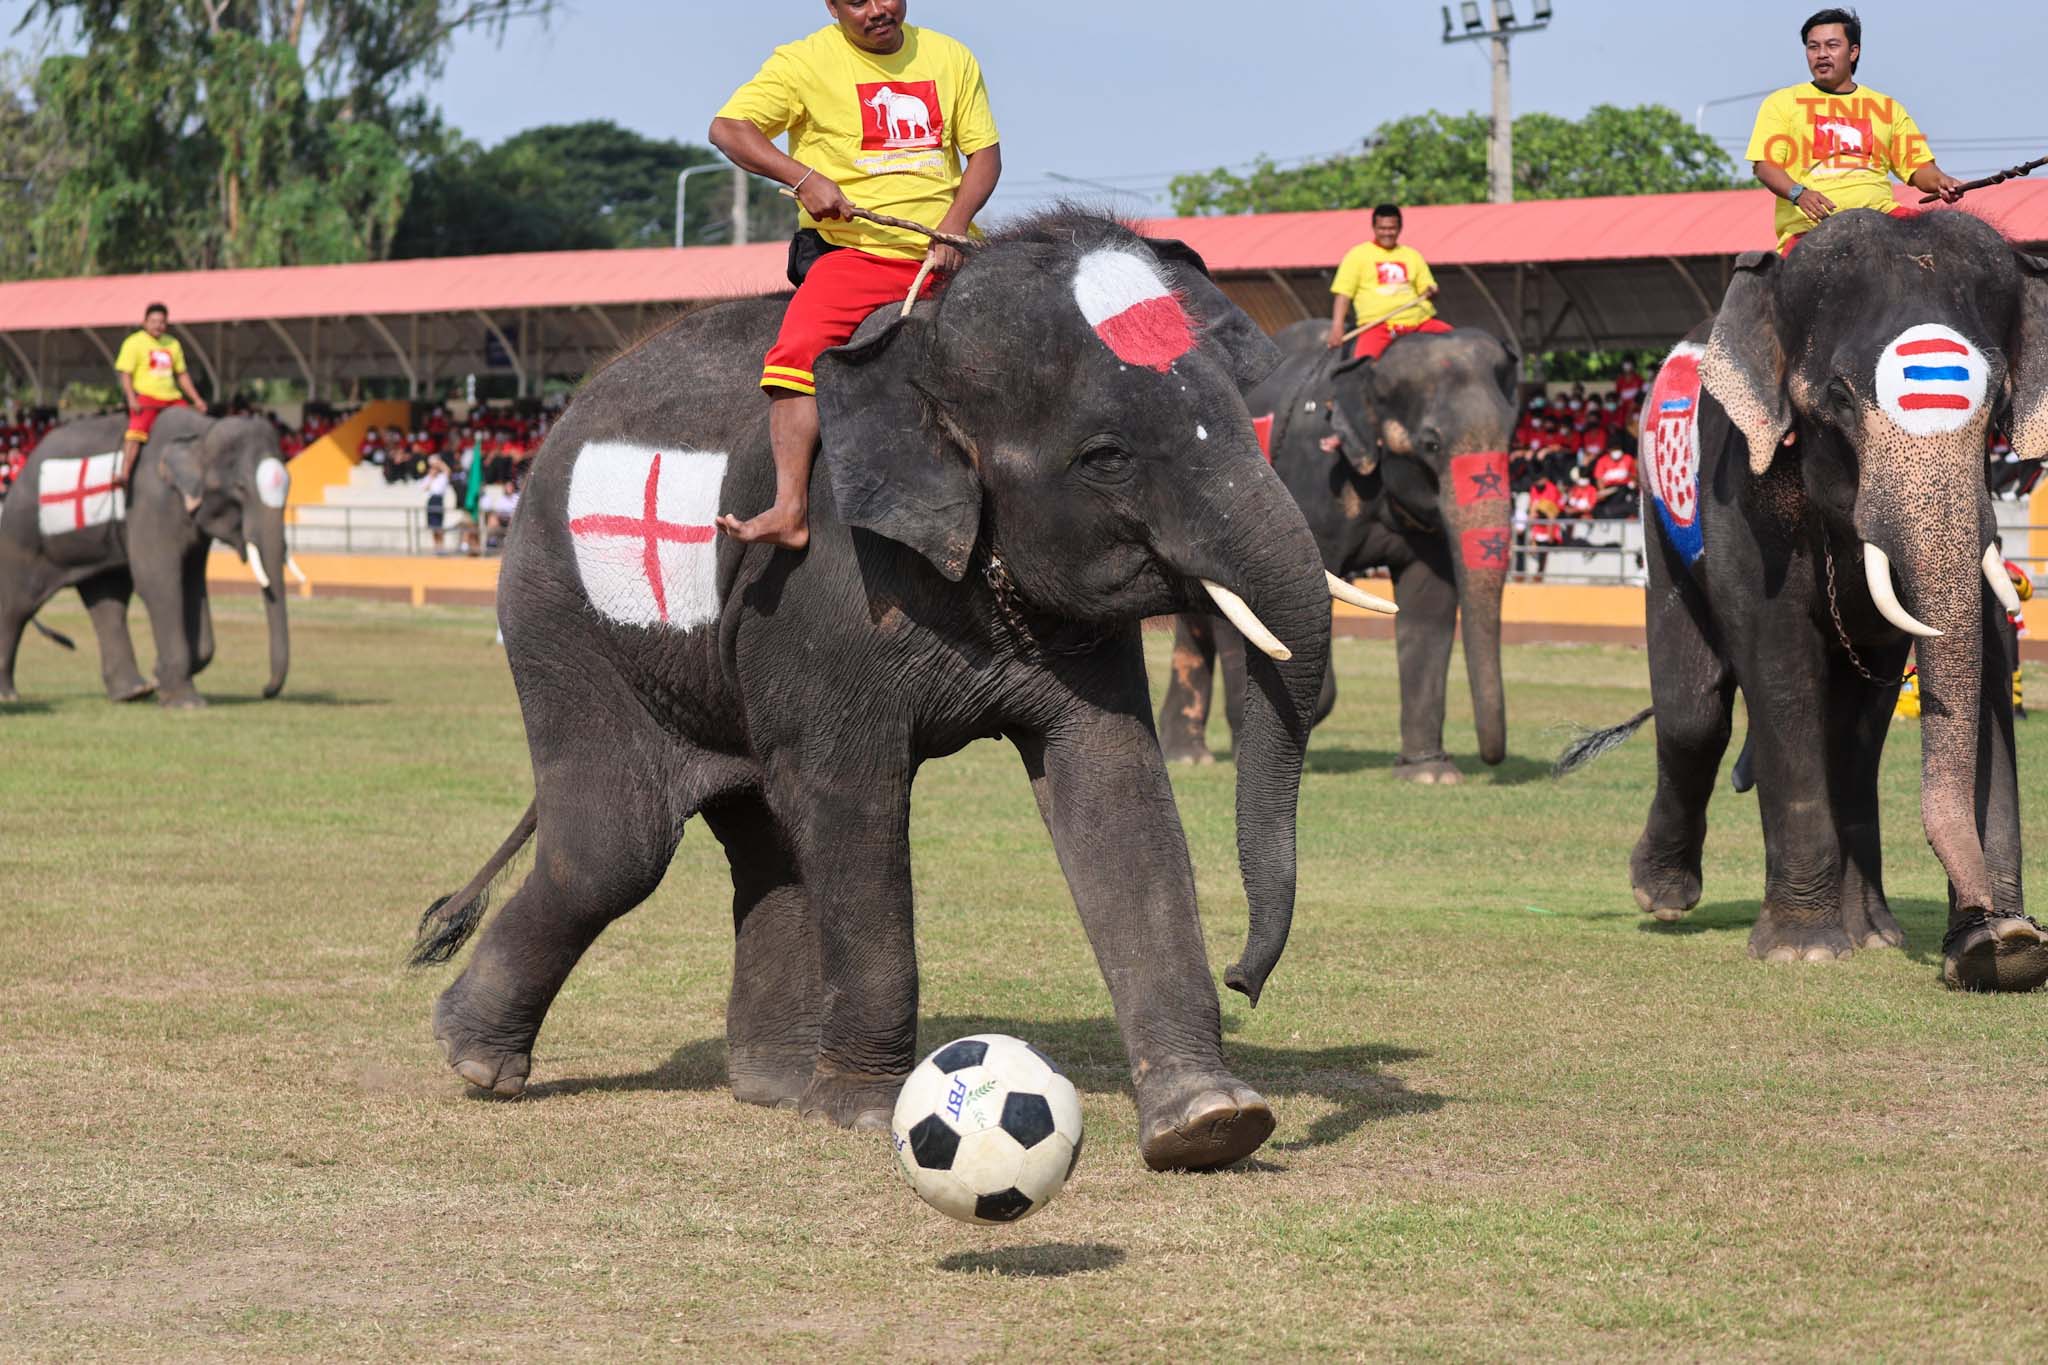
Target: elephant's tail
[(1593, 743), (55, 637), (450, 920)]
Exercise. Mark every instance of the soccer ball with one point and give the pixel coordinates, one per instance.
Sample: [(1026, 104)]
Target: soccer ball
[(987, 1130)]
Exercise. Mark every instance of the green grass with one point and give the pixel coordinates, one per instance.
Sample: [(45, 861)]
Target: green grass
[(1516, 1117)]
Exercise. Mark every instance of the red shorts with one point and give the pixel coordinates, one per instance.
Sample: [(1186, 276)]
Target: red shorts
[(144, 414), (842, 288), (1374, 340), (1895, 211)]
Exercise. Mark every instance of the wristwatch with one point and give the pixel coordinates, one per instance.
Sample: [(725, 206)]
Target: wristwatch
[(1793, 197)]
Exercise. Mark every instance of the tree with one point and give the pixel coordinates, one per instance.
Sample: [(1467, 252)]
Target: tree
[(1438, 158), (34, 155), (564, 187), (240, 132)]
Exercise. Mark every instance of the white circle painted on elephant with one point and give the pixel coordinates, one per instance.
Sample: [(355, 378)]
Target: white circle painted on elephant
[(272, 482), (1931, 380)]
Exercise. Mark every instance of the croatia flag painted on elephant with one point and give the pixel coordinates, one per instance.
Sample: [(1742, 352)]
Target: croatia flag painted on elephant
[(1671, 449), (1132, 309), (72, 495), (641, 520)]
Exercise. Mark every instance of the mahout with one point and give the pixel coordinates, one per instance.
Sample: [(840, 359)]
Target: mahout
[(1815, 457), (1400, 464), (64, 525), (1012, 476)]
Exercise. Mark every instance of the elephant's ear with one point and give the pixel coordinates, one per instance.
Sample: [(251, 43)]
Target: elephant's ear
[(185, 456), (893, 469), (2028, 372), (1508, 374), (1228, 333), (1745, 365)]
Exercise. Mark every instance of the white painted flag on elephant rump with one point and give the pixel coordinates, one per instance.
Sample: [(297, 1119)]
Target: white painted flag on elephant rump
[(72, 495), (642, 523)]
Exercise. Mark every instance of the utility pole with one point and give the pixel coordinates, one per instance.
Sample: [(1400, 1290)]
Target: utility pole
[(1500, 147)]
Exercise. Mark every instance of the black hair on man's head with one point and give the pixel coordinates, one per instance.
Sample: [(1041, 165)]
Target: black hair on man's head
[(1852, 28), (1392, 211), (155, 308)]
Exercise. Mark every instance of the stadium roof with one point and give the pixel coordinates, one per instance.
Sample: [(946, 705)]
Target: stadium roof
[(1592, 273)]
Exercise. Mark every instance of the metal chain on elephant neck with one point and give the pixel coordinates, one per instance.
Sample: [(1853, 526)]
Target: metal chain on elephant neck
[(1009, 600), (1841, 631)]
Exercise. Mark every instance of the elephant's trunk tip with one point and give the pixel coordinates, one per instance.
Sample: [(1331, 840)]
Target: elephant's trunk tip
[(1244, 983)]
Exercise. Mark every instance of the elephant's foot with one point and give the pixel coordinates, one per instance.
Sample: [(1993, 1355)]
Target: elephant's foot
[(1783, 937), (1994, 952), (138, 690), (1201, 1122), (8, 695), (496, 1068), (851, 1099), (1665, 894), (768, 1077), (1428, 770), (187, 700), (1194, 755), (1869, 923)]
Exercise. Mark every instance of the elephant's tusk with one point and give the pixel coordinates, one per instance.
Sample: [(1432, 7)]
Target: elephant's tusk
[(1248, 624), (296, 571), (256, 568), (2001, 585), (1358, 597), (1877, 572)]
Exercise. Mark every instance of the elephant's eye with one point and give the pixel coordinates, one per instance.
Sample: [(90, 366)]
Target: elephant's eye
[(1103, 457), (1839, 401), (1432, 441)]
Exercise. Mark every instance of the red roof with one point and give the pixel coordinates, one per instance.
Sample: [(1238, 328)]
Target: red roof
[(1632, 227), (1635, 227)]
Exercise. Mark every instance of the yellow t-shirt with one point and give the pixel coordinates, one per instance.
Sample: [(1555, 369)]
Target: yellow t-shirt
[(890, 130), (1381, 283), (1845, 146), (153, 362)]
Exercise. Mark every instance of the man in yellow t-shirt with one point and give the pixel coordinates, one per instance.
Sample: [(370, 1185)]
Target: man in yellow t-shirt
[(1389, 285), (151, 367), (881, 116), (1833, 144)]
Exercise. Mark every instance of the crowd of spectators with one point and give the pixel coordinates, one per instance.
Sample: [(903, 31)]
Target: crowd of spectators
[(19, 432)]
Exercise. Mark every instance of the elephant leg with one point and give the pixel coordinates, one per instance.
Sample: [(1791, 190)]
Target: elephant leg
[(198, 611), (1785, 683), (1184, 712), (771, 1021), (1858, 720), (106, 602), (1694, 695), (163, 596), (1106, 801), (1422, 648), (604, 835)]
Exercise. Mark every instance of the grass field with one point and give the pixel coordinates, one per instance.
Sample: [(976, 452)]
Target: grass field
[(1516, 1117)]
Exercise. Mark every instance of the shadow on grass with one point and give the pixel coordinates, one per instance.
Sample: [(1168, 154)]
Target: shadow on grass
[(1513, 771), (1924, 922), (1091, 1052), (1050, 1260), (26, 707), (291, 698)]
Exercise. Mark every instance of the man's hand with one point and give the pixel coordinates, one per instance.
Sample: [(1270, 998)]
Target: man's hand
[(1336, 337), (945, 258), (1815, 205), (823, 199), (1940, 183), (199, 406)]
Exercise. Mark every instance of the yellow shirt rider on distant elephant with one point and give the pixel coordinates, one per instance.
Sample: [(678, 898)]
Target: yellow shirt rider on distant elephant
[(153, 377)]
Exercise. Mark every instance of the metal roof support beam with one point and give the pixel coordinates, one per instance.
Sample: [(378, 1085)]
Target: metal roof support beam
[(28, 368), (1588, 322), (94, 338), (1693, 286), (305, 370), (1499, 314), (412, 377), (1280, 282), (511, 351), (191, 338), (604, 320)]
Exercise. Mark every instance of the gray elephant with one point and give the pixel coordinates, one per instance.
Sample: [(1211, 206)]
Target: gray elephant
[(1401, 464), (66, 525), (1816, 463), (1012, 478)]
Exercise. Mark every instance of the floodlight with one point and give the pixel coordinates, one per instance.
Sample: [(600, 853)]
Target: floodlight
[(1504, 13), (1468, 10), (1542, 11)]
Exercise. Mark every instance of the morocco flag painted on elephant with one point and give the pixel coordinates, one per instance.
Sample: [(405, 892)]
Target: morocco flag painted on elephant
[(641, 520)]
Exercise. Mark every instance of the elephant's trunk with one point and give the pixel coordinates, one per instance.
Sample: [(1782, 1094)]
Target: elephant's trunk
[(267, 547), (1477, 512), (1282, 579)]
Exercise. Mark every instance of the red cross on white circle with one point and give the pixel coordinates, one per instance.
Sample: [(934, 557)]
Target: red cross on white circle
[(77, 495), (649, 528)]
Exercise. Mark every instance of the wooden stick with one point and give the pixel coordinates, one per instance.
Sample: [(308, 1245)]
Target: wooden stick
[(1361, 331), (885, 220), (2018, 172)]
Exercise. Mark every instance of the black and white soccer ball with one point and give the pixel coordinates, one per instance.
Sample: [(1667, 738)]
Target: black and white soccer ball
[(987, 1130)]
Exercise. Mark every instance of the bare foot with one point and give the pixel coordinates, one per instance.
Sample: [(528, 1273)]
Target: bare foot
[(787, 527), (191, 504)]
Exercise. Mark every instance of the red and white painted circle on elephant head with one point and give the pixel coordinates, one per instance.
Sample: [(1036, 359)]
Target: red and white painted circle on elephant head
[(1132, 308)]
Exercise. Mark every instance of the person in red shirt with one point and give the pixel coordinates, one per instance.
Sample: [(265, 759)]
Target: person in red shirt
[(1628, 385), (1582, 497)]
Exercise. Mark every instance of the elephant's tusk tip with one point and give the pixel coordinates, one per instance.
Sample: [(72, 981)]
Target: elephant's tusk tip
[(1239, 613), (1356, 596)]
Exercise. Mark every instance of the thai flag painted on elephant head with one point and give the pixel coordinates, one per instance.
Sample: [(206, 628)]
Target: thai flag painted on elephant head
[(1931, 380), (1132, 308)]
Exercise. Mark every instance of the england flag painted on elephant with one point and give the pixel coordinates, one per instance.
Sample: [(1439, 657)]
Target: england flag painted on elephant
[(641, 520), (1671, 449), (72, 495)]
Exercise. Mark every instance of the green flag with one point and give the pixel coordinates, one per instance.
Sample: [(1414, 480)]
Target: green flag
[(475, 492)]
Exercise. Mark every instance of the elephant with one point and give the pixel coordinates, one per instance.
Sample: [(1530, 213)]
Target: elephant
[(1816, 461), (1013, 476), (66, 526), (1417, 484)]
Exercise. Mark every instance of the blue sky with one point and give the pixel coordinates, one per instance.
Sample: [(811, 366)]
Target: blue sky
[(1131, 93)]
